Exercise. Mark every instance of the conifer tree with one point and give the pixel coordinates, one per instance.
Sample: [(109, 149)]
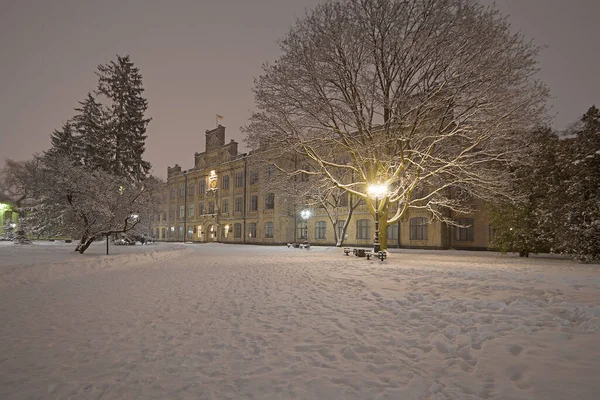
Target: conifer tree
[(580, 233), (92, 144), (121, 83), (64, 140)]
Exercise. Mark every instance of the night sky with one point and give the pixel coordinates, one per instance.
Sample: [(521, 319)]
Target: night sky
[(198, 58)]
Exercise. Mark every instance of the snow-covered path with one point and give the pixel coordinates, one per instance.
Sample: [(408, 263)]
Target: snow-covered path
[(234, 322)]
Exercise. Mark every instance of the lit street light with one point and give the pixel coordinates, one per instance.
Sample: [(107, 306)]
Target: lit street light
[(305, 215), (377, 191)]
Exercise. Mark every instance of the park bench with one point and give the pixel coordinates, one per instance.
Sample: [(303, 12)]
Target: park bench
[(304, 245), (382, 255)]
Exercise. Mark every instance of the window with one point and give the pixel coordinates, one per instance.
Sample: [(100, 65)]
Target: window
[(392, 232), (211, 207), (192, 190), (226, 182), (225, 205), (418, 228), (465, 231), (344, 199), (363, 229), (202, 187), (200, 208), (171, 212), (340, 227), (252, 229), (302, 230), (237, 231), (172, 232), (253, 203), (270, 170), (164, 198), (182, 190), (173, 192), (190, 232), (182, 211), (320, 230), (491, 233), (239, 179), (254, 177), (269, 229), (191, 210), (180, 230), (270, 201), (238, 204), (163, 233), (225, 231)]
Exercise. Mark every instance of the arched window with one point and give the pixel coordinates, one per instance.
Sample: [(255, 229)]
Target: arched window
[(252, 229)]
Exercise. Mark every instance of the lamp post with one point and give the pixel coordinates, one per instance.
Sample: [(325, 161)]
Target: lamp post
[(377, 191), (185, 193), (305, 214)]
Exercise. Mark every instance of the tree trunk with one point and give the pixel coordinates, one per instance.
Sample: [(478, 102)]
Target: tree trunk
[(383, 231), (84, 243)]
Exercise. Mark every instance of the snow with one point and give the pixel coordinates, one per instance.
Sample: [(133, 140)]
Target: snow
[(217, 321)]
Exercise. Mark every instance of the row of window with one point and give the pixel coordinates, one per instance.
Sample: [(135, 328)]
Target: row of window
[(418, 227), (238, 202), (225, 184), (237, 231)]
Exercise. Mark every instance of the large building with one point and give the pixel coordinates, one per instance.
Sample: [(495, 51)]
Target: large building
[(224, 198)]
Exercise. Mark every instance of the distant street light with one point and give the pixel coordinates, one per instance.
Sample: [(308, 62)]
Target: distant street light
[(377, 191)]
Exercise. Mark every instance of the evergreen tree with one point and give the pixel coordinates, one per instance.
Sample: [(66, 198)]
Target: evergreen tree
[(581, 211), (522, 226), (64, 140), (121, 83), (92, 144)]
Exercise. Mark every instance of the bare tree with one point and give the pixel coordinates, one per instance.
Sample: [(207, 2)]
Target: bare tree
[(88, 204), (420, 95)]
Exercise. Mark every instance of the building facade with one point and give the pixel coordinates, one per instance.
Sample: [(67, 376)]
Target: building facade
[(225, 198)]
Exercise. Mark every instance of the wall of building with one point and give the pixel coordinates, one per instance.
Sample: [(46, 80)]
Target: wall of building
[(228, 225)]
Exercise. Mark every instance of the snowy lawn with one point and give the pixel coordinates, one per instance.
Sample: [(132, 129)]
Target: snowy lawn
[(213, 321)]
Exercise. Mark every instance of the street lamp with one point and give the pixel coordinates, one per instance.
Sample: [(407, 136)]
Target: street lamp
[(377, 191), (305, 215)]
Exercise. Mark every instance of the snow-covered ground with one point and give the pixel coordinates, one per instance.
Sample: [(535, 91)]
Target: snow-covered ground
[(213, 321)]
